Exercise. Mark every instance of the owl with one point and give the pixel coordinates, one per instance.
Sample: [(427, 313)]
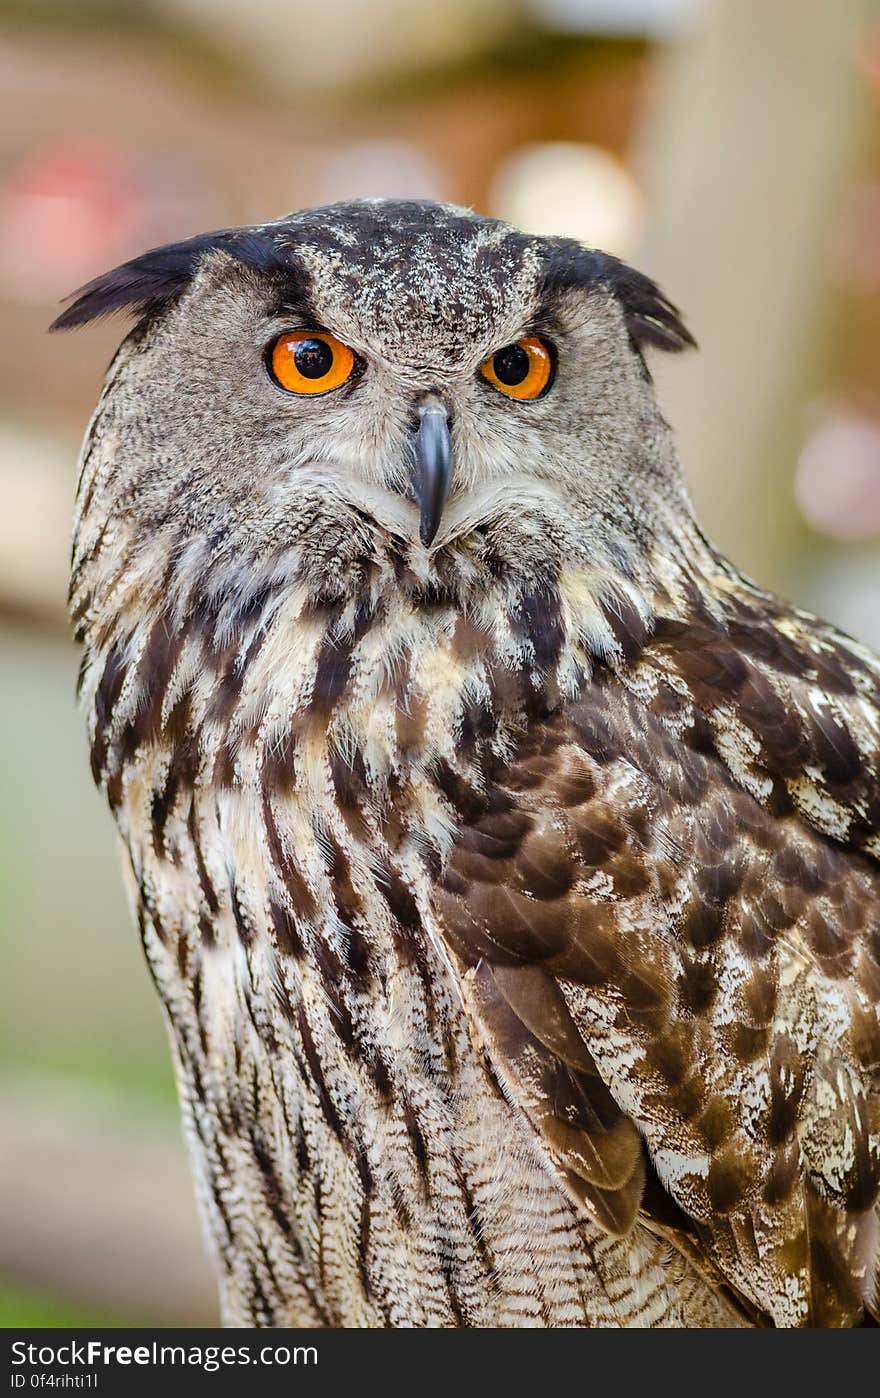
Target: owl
[(506, 862)]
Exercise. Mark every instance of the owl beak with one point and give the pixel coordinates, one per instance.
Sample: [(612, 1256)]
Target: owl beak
[(432, 470)]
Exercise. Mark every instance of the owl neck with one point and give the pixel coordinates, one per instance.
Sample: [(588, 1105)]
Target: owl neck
[(390, 660)]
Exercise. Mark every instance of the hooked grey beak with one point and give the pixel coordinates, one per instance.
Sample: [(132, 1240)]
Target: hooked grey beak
[(432, 470)]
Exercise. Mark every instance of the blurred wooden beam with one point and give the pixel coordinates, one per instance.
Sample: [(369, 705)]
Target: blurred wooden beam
[(756, 124)]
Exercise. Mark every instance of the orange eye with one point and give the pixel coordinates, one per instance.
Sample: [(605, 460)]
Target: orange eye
[(310, 361), (522, 370)]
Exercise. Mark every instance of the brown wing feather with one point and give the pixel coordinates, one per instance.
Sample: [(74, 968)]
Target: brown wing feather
[(650, 952), (586, 1134)]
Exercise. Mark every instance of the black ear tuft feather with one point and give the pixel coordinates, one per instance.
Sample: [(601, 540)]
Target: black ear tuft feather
[(650, 318), (149, 283)]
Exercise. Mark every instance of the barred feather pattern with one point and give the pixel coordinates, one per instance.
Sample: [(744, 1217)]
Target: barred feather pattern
[(358, 1160), (505, 986)]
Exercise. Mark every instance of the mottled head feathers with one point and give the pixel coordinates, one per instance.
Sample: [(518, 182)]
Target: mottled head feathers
[(146, 285)]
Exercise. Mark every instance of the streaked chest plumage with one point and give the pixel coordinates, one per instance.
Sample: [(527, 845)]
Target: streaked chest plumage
[(282, 803)]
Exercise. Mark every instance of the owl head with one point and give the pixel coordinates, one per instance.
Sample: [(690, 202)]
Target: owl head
[(377, 385)]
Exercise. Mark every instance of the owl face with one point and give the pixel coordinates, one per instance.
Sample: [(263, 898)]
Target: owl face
[(378, 374)]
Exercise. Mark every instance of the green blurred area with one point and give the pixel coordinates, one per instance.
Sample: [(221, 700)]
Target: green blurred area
[(77, 1008), (24, 1309), (66, 939)]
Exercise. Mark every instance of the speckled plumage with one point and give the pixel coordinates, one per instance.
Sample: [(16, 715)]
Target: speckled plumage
[(512, 901)]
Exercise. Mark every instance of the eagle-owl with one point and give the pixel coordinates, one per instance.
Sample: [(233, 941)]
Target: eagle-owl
[(505, 861)]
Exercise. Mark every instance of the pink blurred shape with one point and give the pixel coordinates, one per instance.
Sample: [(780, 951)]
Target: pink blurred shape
[(66, 211), (837, 483)]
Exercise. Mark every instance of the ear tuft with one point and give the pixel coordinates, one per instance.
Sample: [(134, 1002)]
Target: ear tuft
[(650, 318), (149, 283)]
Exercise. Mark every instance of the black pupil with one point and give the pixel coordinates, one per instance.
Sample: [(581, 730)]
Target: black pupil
[(511, 365), (313, 358)]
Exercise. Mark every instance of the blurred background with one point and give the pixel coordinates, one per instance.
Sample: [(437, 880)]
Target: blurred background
[(731, 148)]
